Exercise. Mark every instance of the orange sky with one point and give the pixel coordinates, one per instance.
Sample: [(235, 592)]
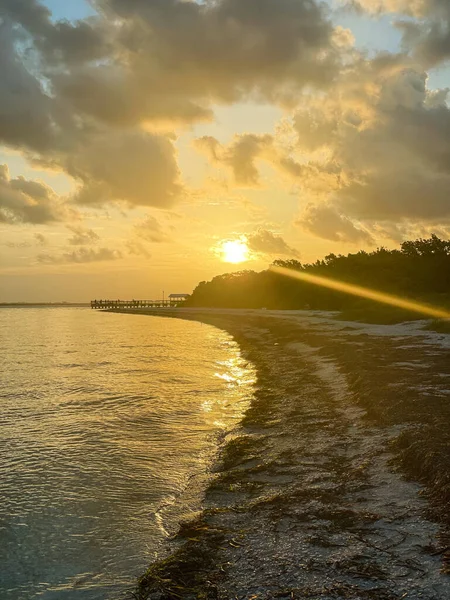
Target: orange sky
[(146, 146)]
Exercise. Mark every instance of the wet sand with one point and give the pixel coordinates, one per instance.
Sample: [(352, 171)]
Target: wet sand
[(336, 484)]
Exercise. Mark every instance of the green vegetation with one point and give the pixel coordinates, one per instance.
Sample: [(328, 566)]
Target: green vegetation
[(419, 271)]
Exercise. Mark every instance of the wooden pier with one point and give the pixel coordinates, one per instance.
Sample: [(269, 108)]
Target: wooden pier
[(173, 301)]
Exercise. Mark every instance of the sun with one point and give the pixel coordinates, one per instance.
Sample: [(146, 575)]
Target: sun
[(234, 252)]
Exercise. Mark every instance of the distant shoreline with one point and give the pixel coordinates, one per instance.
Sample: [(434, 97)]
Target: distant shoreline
[(44, 304), (309, 471)]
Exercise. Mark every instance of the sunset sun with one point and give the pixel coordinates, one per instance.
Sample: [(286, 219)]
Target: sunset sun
[(234, 252)]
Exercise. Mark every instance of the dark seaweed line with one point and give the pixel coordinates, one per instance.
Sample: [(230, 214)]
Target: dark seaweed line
[(196, 568)]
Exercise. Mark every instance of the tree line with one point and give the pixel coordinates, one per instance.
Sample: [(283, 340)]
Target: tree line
[(419, 269)]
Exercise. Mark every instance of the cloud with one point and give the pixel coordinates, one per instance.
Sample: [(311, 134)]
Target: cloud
[(383, 145), (429, 35), (25, 110), (174, 58), (399, 232), (266, 242), (398, 194), (137, 249), (132, 166), (109, 164), (371, 140), (81, 255), (40, 239), (17, 244), (150, 230), (429, 42), (415, 8), (167, 61), (27, 201), (242, 154), (83, 97), (59, 41), (325, 222), (82, 236), (239, 156)]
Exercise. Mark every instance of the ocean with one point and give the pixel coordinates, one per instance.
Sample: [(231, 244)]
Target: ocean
[(109, 427)]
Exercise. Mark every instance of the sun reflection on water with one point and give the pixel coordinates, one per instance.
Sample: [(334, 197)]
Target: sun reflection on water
[(118, 416), (237, 373)]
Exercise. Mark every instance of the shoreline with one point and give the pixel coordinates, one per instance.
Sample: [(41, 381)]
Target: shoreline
[(309, 500)]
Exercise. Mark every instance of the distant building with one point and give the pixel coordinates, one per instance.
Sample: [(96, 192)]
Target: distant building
[(176, 299)]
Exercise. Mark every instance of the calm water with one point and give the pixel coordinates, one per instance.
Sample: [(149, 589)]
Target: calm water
[(108, 423)]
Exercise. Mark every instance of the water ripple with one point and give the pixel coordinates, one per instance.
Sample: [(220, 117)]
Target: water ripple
[(104, 420)]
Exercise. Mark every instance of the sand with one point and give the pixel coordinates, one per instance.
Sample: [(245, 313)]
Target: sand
[(336, 483)]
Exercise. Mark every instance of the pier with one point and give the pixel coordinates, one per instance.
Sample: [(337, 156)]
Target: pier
[(173, 300)]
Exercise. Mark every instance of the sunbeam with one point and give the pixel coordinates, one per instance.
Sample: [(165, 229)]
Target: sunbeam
[(362, 292)]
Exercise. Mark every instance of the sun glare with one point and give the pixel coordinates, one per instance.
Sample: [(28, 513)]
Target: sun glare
[(234, 252), (362, 292)]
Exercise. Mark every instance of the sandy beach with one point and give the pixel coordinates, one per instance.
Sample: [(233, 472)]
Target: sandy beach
[(336, 484)]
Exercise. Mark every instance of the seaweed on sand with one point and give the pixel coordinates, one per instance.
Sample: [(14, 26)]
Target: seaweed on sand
[(190, 571), (278, 438), (238, 451), (423, 453)]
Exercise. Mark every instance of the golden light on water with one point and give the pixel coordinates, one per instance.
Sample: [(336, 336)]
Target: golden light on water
[(362, 292), (234, 251)]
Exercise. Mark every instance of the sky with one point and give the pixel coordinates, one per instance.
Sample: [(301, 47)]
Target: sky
[(148, 145)]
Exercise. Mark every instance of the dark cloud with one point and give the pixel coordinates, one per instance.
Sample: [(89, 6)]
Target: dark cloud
[(41, 240), (242, 154), (191, 53), (398, 194), (373, 151), (429, 35), (239, 156), (79, 96), (133, 166), (130, 103), (170, 60), (387, 152), (25, 110), (83, 97), (430, 42), (59, 41), (81, 255), (325, 222), (266, 242), (26, 201), (82, 236)]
